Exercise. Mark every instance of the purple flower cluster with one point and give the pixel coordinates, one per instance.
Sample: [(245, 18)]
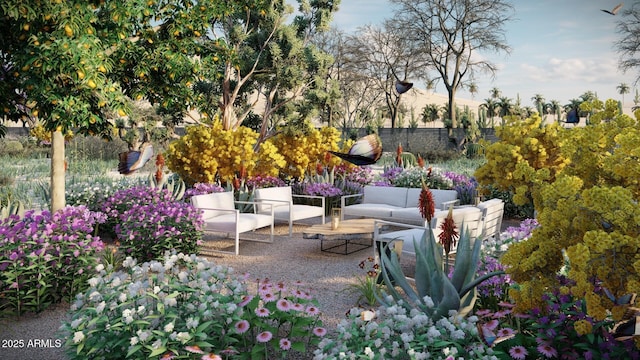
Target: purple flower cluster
[(390, 174), (322, 189), (465, 186), (521, 232), (493, 290), (362, 175), (259, 182), (53, 252), (201, 189), (152, 223)]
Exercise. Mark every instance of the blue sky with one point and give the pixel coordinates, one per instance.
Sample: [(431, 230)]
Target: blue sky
[(560, 49)]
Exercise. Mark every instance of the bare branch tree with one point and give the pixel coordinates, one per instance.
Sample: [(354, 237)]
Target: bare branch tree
[(452, 33)]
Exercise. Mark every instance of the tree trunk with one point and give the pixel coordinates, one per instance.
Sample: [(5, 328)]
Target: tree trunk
[(57, 171)]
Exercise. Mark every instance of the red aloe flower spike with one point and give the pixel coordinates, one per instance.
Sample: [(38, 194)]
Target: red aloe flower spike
[(426, 203), (429, 171), (319, 169), (159, 167), (399, 155), (236, 183), (327, 157), (243, 172), (420, 161), (449, 234)]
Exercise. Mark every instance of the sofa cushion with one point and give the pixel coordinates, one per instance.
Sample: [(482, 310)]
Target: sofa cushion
[(411, 215), (385, 195), (439, 197), (219, 201), (370, 210), (299, 212)]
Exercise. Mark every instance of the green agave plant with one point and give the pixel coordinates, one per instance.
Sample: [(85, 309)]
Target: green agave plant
[(15, 207), (431, 280), (174, 184)]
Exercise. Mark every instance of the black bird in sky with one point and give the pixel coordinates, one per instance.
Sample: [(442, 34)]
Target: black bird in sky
[(403, 86), (132, 160), (614, 10), (366, 151)]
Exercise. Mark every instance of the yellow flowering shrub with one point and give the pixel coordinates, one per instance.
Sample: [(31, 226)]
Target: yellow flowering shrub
[(302, 150), (527, 156), (209, 153), (588, 212), (44, 136)]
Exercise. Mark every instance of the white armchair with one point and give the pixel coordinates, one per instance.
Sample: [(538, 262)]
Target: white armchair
[(492, 213), (220, 215), (281, 200), (466, 219)]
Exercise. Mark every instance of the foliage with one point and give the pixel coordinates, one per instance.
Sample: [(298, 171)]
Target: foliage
[(302, 150), (444, 294), (282, 319), (44, 137), (559, 328), (200, 189), (414, 176), (208, 154), (588, 214), (46, 258), (149, 222), (527, 156), (368, 285), (465, 186), (259, 182), (187, 307), (12, 148), (93, 194), (396, 332)]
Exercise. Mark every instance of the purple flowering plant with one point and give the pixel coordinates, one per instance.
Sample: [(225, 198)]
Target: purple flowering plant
[(149, 223), (259, 182), (201, 189), (561, 329), (46, 257)]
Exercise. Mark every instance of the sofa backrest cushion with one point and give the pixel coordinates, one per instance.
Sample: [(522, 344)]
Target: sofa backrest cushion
[(389, 195), (280, 193), (439, 196), (222, 200)]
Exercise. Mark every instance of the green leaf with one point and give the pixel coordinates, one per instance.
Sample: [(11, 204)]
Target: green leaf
[(159, 351)]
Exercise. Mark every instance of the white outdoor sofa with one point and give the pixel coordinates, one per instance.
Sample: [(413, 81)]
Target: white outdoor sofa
[(280, 201), (220, 215), (394, 203)]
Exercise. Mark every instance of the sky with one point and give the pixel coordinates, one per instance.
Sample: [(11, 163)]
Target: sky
[(560, 49)]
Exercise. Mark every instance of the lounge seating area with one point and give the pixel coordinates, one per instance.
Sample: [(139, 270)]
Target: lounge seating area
[(281, 200), (394, 203)]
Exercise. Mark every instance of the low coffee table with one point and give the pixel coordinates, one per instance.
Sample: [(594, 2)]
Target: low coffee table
[(350, 232)]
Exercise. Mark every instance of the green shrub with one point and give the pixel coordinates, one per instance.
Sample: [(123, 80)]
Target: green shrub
[(11, 148)]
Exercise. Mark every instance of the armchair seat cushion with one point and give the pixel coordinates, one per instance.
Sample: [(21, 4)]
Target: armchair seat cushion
[(298, 212), (246, 222)]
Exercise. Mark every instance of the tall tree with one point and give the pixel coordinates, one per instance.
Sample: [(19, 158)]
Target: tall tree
[(628, 46), (491, 105), (74, 61), (383, 53), (538, 101), (554, 107), (623, 88), (473, 89), (452, 33), (506, 107), (495, 93)]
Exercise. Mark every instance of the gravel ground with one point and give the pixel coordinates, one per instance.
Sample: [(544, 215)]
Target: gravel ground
[(326, 275)]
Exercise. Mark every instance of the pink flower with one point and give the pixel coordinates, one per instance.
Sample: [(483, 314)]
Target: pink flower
[(491, 325), (283, 305), (285, 344), (281, 287), (242, 326), (483, 312), (505, 332), (297, 307), (518, 352), (167, 356), (547, 350), (268, 297), (312, 310), (194, 349), (211, 357), (264, 336), (319, 331), (245, 300), (262, 312)]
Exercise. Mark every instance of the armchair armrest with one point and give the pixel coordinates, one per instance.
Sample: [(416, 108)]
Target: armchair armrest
[(270, 206), (343, 203), (446, 204)]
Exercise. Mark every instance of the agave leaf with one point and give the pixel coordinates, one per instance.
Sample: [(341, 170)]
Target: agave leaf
[(468, 301), (464, 269), (391, 266), (450, 299)]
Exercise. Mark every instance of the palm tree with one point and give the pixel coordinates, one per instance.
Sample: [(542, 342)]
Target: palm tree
[(506, 107), (538, 101), (473, 89), (623, 88), (430, 113), (491, 105), (495, 93), (553, 107)]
